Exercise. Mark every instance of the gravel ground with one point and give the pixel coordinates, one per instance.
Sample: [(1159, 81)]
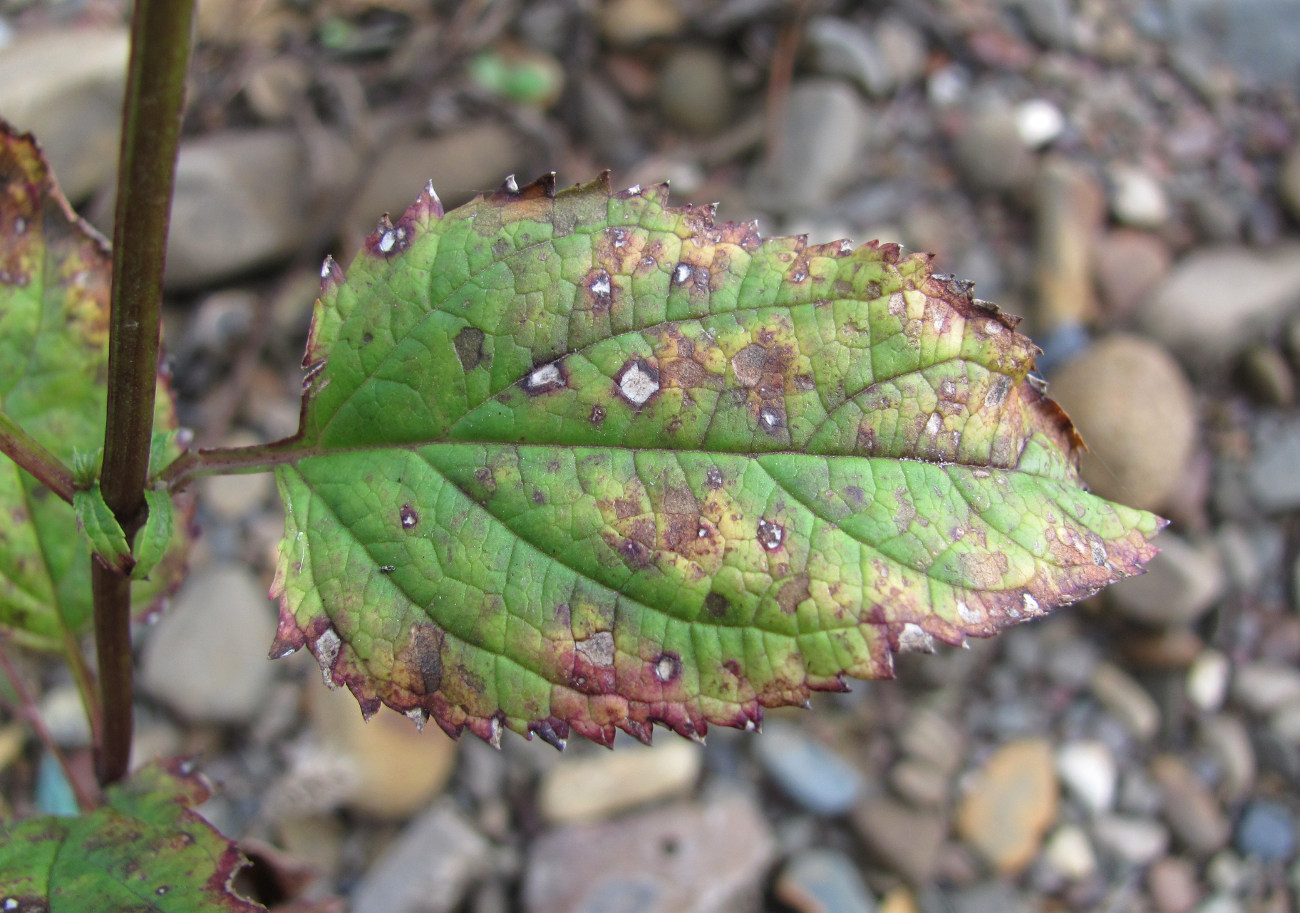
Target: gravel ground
[(1125, 174)]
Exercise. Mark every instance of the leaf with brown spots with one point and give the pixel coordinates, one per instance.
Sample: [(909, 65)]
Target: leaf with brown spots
[(581, 461)]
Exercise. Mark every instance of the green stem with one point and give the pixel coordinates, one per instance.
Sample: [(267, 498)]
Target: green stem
[(151, 127), (28, 453)]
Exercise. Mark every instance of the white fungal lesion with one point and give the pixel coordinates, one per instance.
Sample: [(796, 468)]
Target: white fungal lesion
[(966, 613), (682, 274), (1031, 604), (327, 648), (934, 424), (771, 419), (390, 239), (419, 716), (915, 639), (637, 384), (546, 377), (600, 284), (598, 648)]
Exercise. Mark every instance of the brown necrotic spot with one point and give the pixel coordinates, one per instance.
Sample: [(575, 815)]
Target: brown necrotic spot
[(770, 535), (469, 347), (792, 593), (713, 477), (717, 605), (600, 290), (771, 419), (667, 667), (546, 378), (408, 516), (597, 414), (423, 658)]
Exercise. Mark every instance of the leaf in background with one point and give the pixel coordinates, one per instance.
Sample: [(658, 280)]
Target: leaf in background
[(54, 287), (144, 849), (583, 461)]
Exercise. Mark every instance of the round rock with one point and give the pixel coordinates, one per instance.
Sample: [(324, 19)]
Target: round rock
[(1134, 407)]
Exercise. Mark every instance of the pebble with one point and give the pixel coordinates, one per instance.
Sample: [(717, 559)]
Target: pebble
[(1127, 700), (1265, 373), (1263, 687), (1207, 680), (1271, 479), (990, 154), (1069, 852), (1172, 884), (694, 90), (1288, 182), (1128, 264), (1070, 214), (902, 48), (706, 857), (206, 658), (919, 782), (1009, 803), (1089, 773), (1180, 585), (236, 497), (842, 50), (1135, 409), (625, 23), (65, 86), (1038, 122), (1136, 198), (807, 771), (428, 869), (394, 768), (64, 716), (999, 896), (1227, 740), (1266, 831), (823, 881), (1189, 808), (475, 157), (905, 840), (820, 140), (928, 735), (1218, 299), (596, 786), (1134, 841)]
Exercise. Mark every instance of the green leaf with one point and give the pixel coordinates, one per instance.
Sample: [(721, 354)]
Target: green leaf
[(155, 537), (102, 531), (144, 849), (586, 462), (54, 285)]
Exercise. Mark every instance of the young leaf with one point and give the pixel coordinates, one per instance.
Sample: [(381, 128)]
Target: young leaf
[(584, 461), (144, 849), (103, 533), (54, 284)]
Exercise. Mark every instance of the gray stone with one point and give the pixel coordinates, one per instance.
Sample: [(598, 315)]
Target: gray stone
[(1265, 373), (1129, 264), (1271, 476), (206, 658), (1218, 299), (65, 87), (902, 48), (930, 736), (1134, 841), (843, 50), (1136, 198), (1289, 181), (989, 897), (1227, 740), (1190, 809), (1127, 700), (823, 881), (1267, 831), (597, 785), (694, 90), (1135, 409), (1179, 586), (807, 771), (428, 869), (1264, 687), (1258, 37), (920, 782), (820, 141), (990, 154), (711, 857), (1173, 885), (905, 840), (240, 204)]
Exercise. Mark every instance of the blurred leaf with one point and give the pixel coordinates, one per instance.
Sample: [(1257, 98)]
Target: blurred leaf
[(54, 288)]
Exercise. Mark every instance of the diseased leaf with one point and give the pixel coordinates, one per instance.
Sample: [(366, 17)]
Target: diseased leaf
[(586, 462), (54, 288), (143, 850)]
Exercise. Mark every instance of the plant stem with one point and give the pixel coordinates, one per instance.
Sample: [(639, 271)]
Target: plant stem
[(87, 795), (230, 460), (28, 453), (151, 126)]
